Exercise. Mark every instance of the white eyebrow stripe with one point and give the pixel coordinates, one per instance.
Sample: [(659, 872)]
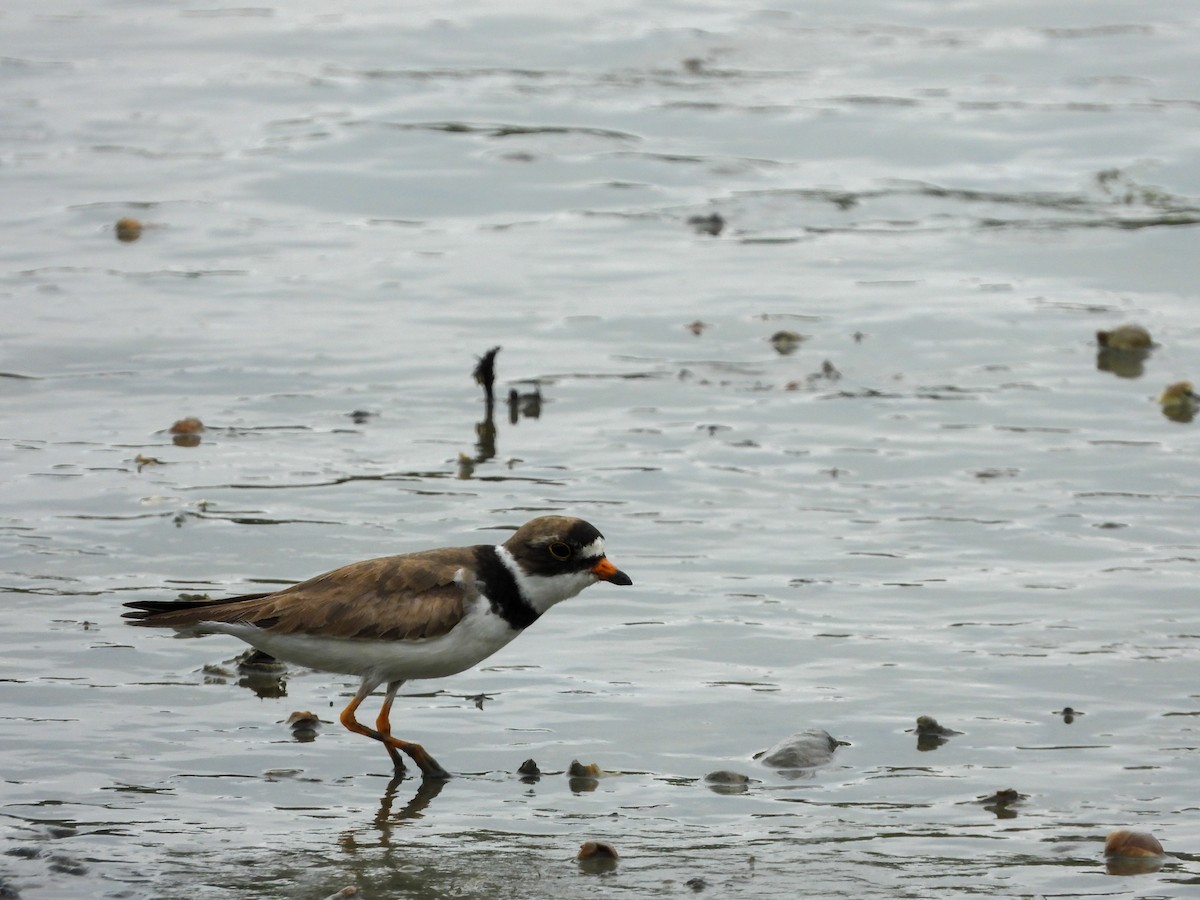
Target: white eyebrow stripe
[(594, 549)]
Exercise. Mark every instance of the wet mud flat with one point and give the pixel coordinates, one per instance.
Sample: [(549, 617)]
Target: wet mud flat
[(804, 312)]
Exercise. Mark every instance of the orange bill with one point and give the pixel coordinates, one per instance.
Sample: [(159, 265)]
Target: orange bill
[(606, 571)]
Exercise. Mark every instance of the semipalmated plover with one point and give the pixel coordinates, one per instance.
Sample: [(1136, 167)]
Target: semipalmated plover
[(417, 615)]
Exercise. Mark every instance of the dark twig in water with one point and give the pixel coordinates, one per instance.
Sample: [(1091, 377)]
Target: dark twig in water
[(485, 374), (485, 431)]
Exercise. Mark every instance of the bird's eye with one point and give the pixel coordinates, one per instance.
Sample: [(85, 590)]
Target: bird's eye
[(559, 550)]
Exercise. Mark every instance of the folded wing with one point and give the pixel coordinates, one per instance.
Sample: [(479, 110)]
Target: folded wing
[(405, 597)]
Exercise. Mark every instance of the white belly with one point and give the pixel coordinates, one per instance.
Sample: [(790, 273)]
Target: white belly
[(480, 634)]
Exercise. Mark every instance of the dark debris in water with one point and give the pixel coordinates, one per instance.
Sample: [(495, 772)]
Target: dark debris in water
[(1002, 803), (485, 375), (786, 342), (712, 224), (524, 404), (137, 789), (930, 734)]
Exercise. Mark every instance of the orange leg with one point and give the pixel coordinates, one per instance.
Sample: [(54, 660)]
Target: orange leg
[(384, 726), (383, 731)]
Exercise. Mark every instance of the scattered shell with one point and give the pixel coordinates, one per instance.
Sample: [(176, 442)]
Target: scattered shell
[(264, 675), (189, 425), (186, 432), (128, 230), (1132, 845), (597, 856), (727, 782), (1179, 402), (800, 752), (583, 779), (256, 661), (578, 770), (305, 725), (724, 776), (1125, 337), (280, 774), (597, 850), (1133, 853)]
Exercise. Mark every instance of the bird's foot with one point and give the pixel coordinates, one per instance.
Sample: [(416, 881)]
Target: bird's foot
[(430, 767)]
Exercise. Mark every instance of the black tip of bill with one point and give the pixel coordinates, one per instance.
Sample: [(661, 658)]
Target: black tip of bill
[(606, 571)]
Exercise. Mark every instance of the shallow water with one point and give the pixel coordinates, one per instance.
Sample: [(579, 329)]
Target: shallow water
[(936, 505)]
